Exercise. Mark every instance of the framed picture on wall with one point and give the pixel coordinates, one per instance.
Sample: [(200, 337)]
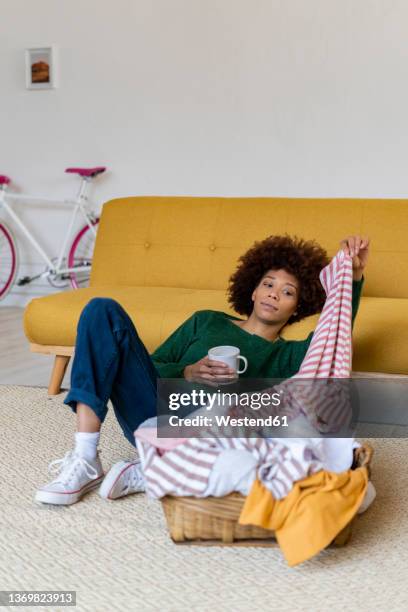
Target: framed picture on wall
[(40, 68)]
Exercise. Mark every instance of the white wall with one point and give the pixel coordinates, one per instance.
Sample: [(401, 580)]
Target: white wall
[(205, 97)]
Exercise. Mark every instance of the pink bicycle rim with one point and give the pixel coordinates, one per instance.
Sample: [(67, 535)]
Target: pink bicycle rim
[(14, 260), (73, 248)]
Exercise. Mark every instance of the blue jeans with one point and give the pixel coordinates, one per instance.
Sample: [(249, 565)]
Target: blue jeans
[(111, 362)]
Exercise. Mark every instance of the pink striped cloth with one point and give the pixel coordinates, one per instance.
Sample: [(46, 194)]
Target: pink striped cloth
[(329, 353), (183, 467)]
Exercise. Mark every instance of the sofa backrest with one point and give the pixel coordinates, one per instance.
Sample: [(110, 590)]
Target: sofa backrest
[(195, 242)]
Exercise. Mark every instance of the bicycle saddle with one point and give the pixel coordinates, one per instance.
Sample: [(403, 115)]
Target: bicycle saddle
[(4, 180), (86, 171)]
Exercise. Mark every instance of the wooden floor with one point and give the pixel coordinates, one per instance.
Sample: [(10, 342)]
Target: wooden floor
[(18, 366)]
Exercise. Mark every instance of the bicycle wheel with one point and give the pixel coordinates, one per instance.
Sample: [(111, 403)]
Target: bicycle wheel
[(80, 254), (8, 260)]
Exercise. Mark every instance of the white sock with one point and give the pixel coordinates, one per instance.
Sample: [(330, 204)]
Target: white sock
[(86, 444)]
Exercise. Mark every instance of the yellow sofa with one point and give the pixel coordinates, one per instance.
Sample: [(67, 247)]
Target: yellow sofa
[(163, 258)]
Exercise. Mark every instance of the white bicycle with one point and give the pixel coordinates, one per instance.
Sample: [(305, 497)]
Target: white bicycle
[(73, 264)]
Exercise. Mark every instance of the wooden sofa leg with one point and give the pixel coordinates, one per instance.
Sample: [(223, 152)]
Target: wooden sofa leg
[(58, 371)]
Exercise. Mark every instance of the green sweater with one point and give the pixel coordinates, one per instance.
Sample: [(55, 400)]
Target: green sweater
[(207, 328)]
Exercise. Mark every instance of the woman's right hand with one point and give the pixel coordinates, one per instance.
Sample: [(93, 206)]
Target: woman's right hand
[(208, 371)]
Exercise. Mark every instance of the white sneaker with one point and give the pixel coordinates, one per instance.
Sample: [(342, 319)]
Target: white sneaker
[(124, 478), (76, 476)]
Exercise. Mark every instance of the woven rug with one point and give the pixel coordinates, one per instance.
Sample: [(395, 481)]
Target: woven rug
[(118, 556)]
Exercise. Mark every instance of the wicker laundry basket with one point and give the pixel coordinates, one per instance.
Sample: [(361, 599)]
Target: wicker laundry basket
[(214, 520)]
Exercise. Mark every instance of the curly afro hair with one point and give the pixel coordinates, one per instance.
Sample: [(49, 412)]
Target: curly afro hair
[(303, 259)]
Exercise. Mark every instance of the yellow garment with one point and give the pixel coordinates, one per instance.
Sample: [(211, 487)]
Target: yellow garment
[(310, 517)]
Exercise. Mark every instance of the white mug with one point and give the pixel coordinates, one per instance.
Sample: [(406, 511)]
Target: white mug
[(229, 355)]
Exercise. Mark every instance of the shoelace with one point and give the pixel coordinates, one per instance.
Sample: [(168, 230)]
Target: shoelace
[(68, 464), (134, 477)]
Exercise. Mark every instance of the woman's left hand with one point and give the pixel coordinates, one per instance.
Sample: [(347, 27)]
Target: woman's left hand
[(358, 248)]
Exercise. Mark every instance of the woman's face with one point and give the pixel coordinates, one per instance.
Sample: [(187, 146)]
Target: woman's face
[(276, 297)]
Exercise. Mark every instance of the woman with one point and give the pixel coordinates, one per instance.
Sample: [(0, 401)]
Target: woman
[(276, 284)]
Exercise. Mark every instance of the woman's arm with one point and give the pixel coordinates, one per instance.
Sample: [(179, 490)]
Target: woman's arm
[(358, 248), (355, 298), (168, 357)]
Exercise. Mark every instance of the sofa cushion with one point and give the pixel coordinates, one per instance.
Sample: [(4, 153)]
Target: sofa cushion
[(156, 311), (380, 331)]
